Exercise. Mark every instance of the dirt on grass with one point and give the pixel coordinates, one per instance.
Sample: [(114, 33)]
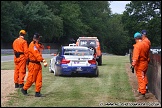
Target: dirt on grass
[(8, 87), (134, 84)]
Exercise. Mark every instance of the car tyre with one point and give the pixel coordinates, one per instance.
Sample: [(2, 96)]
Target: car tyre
[(97, 73), (56, 73), (99, 60), (50, 70)]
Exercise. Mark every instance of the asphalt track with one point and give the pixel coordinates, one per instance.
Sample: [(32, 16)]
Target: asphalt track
[(11, 57)]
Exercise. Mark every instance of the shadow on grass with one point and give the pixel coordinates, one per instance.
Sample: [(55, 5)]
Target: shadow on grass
[(102, 65)]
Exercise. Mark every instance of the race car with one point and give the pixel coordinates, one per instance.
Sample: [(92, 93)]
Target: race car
[(72, 60)]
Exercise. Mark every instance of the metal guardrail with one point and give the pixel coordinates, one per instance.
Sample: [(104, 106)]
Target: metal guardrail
[(45, 51), (154, 75)]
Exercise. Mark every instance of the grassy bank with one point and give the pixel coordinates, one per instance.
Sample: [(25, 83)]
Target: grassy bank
[(112, 85), (6, 54)]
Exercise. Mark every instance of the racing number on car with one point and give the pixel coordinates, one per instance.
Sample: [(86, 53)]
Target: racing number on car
[(83, 43), (92, 43)]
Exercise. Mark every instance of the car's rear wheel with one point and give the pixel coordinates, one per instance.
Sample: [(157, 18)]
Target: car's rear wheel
[(99, 60), (56, 73), (97, 73), (50, 70)]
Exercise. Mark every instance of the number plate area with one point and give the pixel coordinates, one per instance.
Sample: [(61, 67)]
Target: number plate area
[(79, 63), (79, 69)]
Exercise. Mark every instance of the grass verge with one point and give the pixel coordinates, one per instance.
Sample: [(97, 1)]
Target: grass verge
[(111, 86), (6, 54)]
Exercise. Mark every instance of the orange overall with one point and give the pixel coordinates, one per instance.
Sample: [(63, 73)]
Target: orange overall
[(140, 63), (20, 45), (34, 67), (147, 41)]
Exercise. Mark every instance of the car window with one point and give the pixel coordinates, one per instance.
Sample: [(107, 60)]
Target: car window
[(87, 43), (77, 52)]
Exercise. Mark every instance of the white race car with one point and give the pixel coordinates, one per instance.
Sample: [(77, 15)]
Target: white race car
[(74, 59)]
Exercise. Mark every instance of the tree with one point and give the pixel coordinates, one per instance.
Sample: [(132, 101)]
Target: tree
[(72, 23), (141, 15), (94, 14), (38, 18), (11, 22), (118, 39)]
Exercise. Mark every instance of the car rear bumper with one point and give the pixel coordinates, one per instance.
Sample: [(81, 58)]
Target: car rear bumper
[(78, 70)]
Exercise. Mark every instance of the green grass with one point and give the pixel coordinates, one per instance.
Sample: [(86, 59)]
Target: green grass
[(112, 85), (6, 54), (7, 65)]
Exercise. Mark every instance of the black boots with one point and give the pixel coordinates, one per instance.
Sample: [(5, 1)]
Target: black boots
[(16, 85), (38, 94), (141, 97), (24, 91), (21, 85)]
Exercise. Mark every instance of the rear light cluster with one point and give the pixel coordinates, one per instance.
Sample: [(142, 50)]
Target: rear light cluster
[(65, 61), (93, 61)]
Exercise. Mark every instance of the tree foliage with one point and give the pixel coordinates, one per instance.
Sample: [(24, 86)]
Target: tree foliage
[(59, 21), (11, 22), (146, 15), (118, 36), (38, 18), (72, 24)]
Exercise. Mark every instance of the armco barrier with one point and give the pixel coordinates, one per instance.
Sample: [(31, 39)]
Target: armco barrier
[(153, 72), (45, 51)]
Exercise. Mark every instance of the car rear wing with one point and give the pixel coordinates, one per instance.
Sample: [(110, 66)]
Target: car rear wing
[(72, 44)]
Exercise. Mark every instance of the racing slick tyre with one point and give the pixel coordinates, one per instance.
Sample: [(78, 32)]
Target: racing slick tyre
[(99, 60), (50, 70), (97, 73), (56, 73)]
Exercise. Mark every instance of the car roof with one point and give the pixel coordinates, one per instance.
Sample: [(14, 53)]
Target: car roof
[(75, 47), (87, 38)]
